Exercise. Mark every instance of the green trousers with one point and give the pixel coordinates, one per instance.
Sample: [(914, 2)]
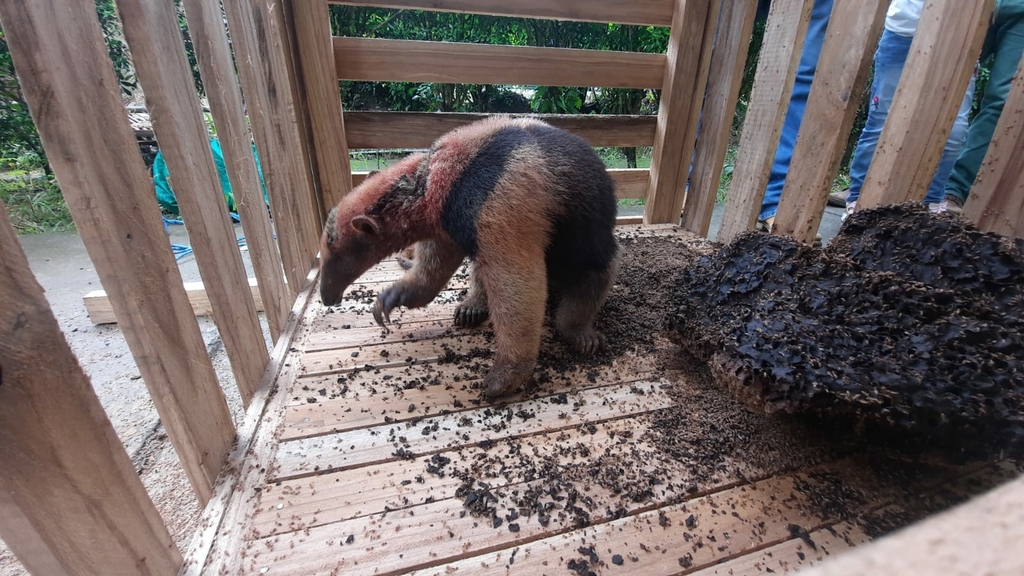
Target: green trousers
[(1005, 40)]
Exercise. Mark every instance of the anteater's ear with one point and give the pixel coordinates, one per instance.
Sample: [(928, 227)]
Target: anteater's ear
[(366, 224)]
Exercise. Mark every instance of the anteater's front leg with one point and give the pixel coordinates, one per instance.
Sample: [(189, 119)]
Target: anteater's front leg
[(436, 261), (516, 296)]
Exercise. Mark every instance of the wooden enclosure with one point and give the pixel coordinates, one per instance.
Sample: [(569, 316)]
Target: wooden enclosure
[(70, 502)]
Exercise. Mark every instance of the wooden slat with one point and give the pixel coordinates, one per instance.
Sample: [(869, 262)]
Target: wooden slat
[(218, 535), (361, 447), (982, 536), (266, 85), (832, 105), (70, 89), (725, 76), (378, 59), (682, 93), (158, 52), (769, 100), (72, 500), (101, 311), (996, 202), (936, 75), (420, 129), (630, 183), (210, 39), (642, 12), (313, 32)]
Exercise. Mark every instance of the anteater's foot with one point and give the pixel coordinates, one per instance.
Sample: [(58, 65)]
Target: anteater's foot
[(586, 341), (505, 378), (470, 314)]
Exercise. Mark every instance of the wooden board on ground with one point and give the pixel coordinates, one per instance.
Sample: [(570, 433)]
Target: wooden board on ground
[(393, 463), (100, 311)]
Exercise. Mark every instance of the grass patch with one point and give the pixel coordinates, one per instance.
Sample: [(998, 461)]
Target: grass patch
[(34, 203)]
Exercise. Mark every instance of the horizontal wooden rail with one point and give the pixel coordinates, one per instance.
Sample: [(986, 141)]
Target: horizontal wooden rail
[(642, 12), (378, 59), (630, 183), (101, 311), (420, 129)]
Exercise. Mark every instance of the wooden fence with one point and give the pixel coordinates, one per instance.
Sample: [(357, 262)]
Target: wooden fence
[(71, 502)]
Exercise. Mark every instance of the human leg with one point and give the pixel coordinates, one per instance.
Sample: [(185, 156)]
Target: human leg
[(797, 104), (1008, 44)]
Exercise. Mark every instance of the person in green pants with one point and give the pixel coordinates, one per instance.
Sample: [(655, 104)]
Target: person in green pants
[(1005, 40)]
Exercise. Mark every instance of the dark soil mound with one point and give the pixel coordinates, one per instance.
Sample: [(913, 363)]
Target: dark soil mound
[(907, 321)]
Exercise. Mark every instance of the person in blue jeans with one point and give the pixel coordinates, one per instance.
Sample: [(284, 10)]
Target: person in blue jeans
[(1005, 42), (890, 56), (820, 14)]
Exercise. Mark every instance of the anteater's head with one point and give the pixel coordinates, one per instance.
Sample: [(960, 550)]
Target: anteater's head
[(362, 229)]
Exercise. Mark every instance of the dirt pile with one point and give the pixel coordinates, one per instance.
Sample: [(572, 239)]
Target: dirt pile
[(907, 321)]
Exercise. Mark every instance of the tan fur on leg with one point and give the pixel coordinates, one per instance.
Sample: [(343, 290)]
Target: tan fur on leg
[(517, 294)]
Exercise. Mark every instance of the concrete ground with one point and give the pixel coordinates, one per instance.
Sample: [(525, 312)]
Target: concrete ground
[(62, 266)]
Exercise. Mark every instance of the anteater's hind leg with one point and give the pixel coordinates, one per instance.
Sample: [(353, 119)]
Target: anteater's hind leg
[(516, 294), (581, 300), (473, 310)]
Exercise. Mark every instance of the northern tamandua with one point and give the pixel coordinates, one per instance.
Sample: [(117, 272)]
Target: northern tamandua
[(531, 205)]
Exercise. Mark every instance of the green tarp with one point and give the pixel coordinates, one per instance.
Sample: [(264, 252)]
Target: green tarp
[(165, 195)]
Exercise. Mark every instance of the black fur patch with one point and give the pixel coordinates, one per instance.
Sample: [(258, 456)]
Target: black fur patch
[(476, 183), (583, 239)]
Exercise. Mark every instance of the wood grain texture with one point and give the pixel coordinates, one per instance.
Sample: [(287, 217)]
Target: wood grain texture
[(642, 12), (630, 183), (101, 311), (454, 62), (682, 93), (158, 52), (420, 129), (936, 75), (210, 40), (219, 535), (996, 202), (725, 76), (71, 91), (266, 84), (313, 33), (832, 105), (981, 536), (72, 501), (769, 100)]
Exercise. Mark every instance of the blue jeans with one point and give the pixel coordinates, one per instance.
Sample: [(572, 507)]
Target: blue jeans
[(889, 60), (797, 104)]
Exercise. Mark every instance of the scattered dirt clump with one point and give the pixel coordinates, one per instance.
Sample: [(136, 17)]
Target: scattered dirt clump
[(908, 321)]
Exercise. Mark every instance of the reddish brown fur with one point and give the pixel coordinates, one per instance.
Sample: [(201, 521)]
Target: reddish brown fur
[(509, 276)]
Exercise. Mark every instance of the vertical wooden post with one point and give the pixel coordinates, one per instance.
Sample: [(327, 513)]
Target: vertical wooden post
[(843, 66), (158, 53), (686, 71), (266, 83), (996, 202), (313, 32), (935, 77), (735, 27), (777, 66), (210, 39), (72, 501), (71, 91)]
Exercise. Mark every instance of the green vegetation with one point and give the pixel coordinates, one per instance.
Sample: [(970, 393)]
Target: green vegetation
[(33, 197)]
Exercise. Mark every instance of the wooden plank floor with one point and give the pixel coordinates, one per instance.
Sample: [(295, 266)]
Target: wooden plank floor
[(377, 455)]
